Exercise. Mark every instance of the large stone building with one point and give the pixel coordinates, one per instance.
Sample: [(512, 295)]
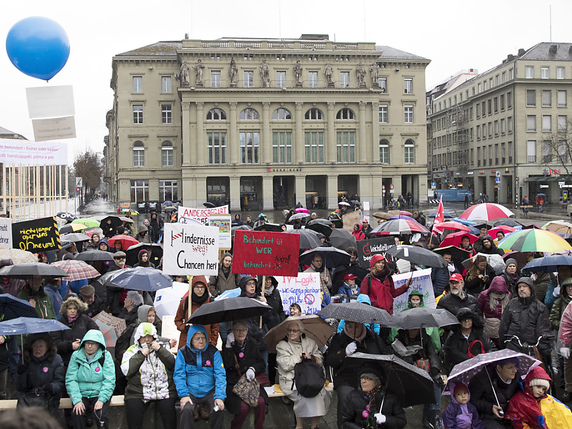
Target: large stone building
[(263, 123), (503, 132)]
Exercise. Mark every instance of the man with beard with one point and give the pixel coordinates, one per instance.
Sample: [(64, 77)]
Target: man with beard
[(457, 298)]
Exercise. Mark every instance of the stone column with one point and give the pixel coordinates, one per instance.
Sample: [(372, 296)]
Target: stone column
[(362, 148), (233, 143), (234, 193), (396, 181), (200, 134), (299, 142), (266, 136), (332, 191), (330, 147), (300, 188), (422, 189), (186, 141), (373, 152), (267, 192)]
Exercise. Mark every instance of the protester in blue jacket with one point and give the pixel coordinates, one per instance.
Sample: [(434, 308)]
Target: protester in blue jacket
[(200, 378)]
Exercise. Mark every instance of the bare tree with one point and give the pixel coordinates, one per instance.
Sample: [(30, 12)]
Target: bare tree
[(88, 167), (557, 149)]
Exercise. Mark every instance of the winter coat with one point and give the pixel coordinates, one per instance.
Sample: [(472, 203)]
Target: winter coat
[(476, 285), (427, 352), (456, 416), (341, 270), (223, 281), (482, 395), (288, 355), (78, 328), (356, 403), (274, 300), (96, 307), (253, 323), (130, 316), (183, 315), (557, 310), (453, 303), (480, 248), (199, 372), (484, 299), (381, 290), (44, 307), (510, 282), (150, 377), (11, 286), (325, 278), (91, 379), (565, 332), (359, 234), (55, 296), (440, 279), (456, 346)]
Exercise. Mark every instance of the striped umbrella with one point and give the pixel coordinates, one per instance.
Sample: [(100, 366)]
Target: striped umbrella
[(457, 226), (486, 212), (534, 240), (399, 226), (77, 270)]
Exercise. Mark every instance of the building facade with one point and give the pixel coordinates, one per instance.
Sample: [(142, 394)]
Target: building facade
[(503, 132), (264, 124)]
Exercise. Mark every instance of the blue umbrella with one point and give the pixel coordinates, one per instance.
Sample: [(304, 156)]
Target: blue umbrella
[(141, 278), (465, 221), (13, 308), (168, 203), (30, 325), (448, 215), (547, 264)]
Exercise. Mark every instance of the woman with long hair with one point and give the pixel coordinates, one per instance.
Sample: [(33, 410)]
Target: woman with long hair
[(479, 276), (492, 303)]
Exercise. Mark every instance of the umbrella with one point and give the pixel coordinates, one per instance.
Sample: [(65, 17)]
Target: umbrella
[(465, 371), (315, 328), (401, 217), (168, 209), (271, 227), (505, 229), (308, 238), (547, 264), (18, 256), (302, 210), (66, 216), (399, 227), (209, 205), (141, 278), (74, 237), (410, 384), (356, 312), (495, 261), (115, 222), (534, 240), (30, 325), (400, 213), (520, 258), (457, 226), (343, 203), (167, 300), (77, 270), (93, 230), (131, 212), (13, 308), (341, 238), (72, 227), (559, 226), (465, 221), (455, 239), (126, 219), (228, 310), (508, 222), (332, 257), (23, 271), (240, 228), (87, 222), (94, 255), (382, 215), (299, 216), (323, 226), (110, 326), (423, 317), (356, 203), (126, 241), (418, 255), (446, 215), (170, 203), (486, 211), (458, 255), (155, 252)]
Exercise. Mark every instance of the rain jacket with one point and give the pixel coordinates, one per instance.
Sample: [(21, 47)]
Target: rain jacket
[(565, 332), (482, 395), (359, 234), (94, 378), (381, 290), (199, 372), (498, 285), (148, 377), (78, 328), (557, 310), (223, 281), (493, 250), (44, 307), (457, 416), (354, 414)]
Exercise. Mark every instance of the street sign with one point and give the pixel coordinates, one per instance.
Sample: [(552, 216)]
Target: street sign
[(561, 184), (498, 179), (78, 182), (498, 173), (78, 189)]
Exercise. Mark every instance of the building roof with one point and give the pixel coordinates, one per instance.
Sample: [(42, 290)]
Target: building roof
[(387, 52), (7, 134), (155, 49), (548, 51)]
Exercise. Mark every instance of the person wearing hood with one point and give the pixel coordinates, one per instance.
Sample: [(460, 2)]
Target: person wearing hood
[(199, 296), (260, 221), (142, 234), (200, 379), (93, 242), (358, 232), (511, 274), (41, 375), (237, 220), (460, 413), (378, 284), (479, 276), (492, 303), (149, 368), (554, 287), (103, 245), (143, 257), (90, 380), (564, 342), (527, 318), (486, 245), (466, 340), (34, 293)]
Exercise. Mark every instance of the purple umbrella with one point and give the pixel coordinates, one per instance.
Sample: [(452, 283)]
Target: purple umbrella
[(401, 217)]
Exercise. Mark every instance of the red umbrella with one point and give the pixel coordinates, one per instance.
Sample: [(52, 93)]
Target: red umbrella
[(457, 226), (486, 212), (126, 241), (455, 238), (76, 269), (504, 228)]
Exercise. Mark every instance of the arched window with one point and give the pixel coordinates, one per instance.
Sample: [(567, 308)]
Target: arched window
[(138, 154), (314, 114), (167, 158), (409, 150), (216, 115), (384, 151), (281, 114), (346, 114), (249, 114)]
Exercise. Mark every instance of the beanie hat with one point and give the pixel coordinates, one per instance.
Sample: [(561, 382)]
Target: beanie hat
[(141, 252), (539, 382), (370, 375), (511, 261), (460, 387)]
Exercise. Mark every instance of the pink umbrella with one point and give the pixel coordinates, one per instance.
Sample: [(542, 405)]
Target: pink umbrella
[(302, 210), (486, 212), (457, 226), (504, 228)]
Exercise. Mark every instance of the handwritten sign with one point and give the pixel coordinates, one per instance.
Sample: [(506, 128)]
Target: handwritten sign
[(265, 253), (421, 282), (36, 235), (190, 250), (5, 233), (223, 223), (373, 246), (202, 215), (303, 290)]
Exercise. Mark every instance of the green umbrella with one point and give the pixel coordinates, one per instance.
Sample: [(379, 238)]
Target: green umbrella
[(90, 222), (534, 240)]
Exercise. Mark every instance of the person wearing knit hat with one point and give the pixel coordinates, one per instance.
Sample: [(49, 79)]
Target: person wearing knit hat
[(511, 274), (143, 257), (460, 413)]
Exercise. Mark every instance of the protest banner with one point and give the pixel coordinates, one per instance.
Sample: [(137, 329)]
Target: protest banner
[(190, 250), (36, 235), (421, 282), (303, 290), (5, 233), (25, 152), (265, 253), (367, 248), (223, 223), (202, 215)]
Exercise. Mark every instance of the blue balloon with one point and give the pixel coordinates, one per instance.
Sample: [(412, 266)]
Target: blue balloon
[(38, 47)]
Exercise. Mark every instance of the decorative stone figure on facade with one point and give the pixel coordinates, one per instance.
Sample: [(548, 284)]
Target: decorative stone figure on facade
[(233, 73), (360, 73), (374, 70), (264, 74), (199, 73), (298, 73), (329, 72), (184, 73)]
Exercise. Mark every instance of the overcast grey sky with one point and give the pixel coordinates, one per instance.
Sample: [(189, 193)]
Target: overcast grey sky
[(454, 35)]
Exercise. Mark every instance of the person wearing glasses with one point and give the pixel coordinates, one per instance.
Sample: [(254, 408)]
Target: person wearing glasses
[(116, 295)]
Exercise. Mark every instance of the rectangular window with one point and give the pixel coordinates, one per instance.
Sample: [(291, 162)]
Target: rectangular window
[(166, 84), (408, 86), (248, 79), (509, 124), (282, 147), (490, 130), (137, 114), (137, 84), (383, 118), (346, 146), (167, 156), (496, 104), (280, 79), (546, 123), (562, 102), (166, 114), (531, 150), (344, 79), (496, 128), (409, 152), (562, 151), (531, 123), (168, 190), (139, 190), (510, 152), (215, 79), (544, 73), (478, 110), (408, 110), (530, 97), (312, 79), (503, 126), (216, 147), (250, 147), (560, 73), (546, 98), (382, 82), (314, 147), (509, 100), (562, 120), (502, 102), (489, 104), (138, 156), (529, 72), (478, 132), (384, 152), (546, 151), (503, 153)]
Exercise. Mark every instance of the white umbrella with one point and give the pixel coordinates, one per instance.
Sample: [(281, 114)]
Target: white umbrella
[(167, 300)]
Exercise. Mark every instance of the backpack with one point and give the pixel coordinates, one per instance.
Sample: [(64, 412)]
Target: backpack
[(309, 378)]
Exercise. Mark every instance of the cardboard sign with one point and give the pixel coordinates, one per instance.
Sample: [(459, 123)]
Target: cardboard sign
[(190, 250), (350, 219), (265, 253), (223, 223), (303, 290), (202, 215), (5, 233), (421, 282), (367, 248), (36, 235), (54, 128)]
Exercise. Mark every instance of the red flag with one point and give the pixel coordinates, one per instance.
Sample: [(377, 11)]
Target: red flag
[(440, 215)]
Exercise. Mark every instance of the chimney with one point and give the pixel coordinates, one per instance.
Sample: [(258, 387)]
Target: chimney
[(521, 52), (553, 49)]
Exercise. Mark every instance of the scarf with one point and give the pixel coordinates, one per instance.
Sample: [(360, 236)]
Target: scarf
[(268, 292), (359, 338), (374, 403), (72, 319), (200, 299), (382, 275), (513, 277)]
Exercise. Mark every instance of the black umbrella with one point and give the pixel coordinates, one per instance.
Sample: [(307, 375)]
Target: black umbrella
[(323, 226), (228, 310), (13, 308), (94, 255), (74, 237), (66, 216), (240, 228), (458, 255), (271, 227), (115, 222), (342, 239), (356, 312), (155, 253), (308, 238), (411, 385), (548, 264), (417, 255), (508, 222), (331, 256), (423, 317), (209, 205), (23, 271)]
